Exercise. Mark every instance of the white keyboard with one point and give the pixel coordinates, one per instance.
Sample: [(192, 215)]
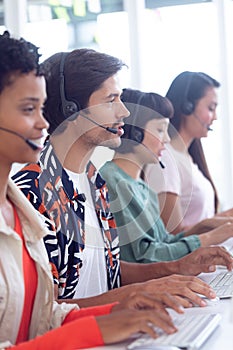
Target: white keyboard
[(193, 331), (222, 284)]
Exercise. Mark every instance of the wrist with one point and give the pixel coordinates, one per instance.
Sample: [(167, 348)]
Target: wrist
[(172, 267)]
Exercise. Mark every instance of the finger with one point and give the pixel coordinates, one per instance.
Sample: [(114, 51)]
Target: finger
[(172, 302), (196, 269), (193, 292), (142, 301), (223, 257), (183, 301), (148, 323)]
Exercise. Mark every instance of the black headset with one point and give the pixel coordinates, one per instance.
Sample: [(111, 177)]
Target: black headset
[(69, 107), (134, 132), (187, 106)]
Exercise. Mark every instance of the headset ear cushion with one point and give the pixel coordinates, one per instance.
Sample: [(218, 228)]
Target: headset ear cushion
[(69, 108), (136, 134), (187, 108)]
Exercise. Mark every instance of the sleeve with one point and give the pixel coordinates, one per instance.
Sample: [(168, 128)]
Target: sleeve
[(82, 333), (167, 179), (89, 311), (143, 237), (80, 325)]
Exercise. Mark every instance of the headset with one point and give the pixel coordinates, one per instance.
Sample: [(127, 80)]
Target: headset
[(188, 107), (135, 133), (69, 107)]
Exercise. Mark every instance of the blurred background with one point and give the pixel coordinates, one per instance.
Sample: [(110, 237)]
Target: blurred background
[(157, 39)]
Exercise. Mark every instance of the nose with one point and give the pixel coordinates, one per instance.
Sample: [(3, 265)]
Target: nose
[(214, 116), (122, 111), (42, 123), (167, 138)]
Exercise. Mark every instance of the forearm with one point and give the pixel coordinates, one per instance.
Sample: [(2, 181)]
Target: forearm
[(135, 272), (109, 297), (201, 227)]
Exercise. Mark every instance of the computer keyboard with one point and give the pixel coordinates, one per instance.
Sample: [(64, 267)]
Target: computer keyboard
[(193, 331), (222, 284)]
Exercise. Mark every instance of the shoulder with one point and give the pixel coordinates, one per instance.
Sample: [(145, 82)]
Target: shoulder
[(110, 171), (26, 178)]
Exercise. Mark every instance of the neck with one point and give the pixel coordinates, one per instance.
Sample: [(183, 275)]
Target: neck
[(182, 141), (129, 164), (74, 155)]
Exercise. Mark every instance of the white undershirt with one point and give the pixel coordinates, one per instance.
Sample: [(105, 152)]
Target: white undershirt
[(93, 276)]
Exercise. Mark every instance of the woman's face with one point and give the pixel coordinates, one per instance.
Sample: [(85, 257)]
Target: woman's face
[(204, 114), (155, 137), (21, 104)]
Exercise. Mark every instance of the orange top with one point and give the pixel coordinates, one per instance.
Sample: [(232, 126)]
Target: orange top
[(30, 283), (79, 329)]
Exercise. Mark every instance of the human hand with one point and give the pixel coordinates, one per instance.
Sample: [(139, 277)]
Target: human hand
[(184, 288), (228, 212), (208, 224), (204, 259), (141, 301), (217, 235), (120, 325)]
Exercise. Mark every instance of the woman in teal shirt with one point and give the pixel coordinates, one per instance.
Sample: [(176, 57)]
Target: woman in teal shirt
[(143, 237)]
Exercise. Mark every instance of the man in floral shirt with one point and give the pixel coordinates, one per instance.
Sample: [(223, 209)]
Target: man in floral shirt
[(85, 110)]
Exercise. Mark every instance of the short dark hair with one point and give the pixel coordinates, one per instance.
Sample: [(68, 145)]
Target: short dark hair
[(85, 70), (143, 107), (17, 55)]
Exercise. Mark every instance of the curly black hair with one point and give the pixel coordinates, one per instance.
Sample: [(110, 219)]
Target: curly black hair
[(17, 55)]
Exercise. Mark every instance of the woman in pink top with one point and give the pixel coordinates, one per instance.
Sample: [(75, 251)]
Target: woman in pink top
[(186, 191)]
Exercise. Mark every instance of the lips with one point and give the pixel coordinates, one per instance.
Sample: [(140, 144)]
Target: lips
[(38, 142), (120, 131)]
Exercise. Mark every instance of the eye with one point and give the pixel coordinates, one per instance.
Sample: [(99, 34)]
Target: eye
[(28, 109)]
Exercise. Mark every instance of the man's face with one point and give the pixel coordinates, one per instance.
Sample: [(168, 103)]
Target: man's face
[(105, 108)]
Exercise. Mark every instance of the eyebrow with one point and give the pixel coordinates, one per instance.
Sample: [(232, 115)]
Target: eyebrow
[(30, 99), (112, 95)]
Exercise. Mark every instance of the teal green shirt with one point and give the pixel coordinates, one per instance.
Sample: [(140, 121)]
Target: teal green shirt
[(143, 237)]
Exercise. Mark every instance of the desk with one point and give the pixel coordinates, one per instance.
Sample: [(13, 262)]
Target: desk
[(220, 339)]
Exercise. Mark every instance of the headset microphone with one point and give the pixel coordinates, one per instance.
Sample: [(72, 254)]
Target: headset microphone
[(203, 124), (112, 130), (31, 144), (154, 155)]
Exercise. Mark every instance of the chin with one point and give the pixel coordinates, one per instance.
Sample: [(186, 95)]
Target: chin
[(112, 143), (30, 159), (205, 134)]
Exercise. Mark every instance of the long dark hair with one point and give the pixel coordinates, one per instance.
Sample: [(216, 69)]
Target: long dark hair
[(188, 88)]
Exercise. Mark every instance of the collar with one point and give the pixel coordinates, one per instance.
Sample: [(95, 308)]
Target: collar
[(29, 217), (53, 170)]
